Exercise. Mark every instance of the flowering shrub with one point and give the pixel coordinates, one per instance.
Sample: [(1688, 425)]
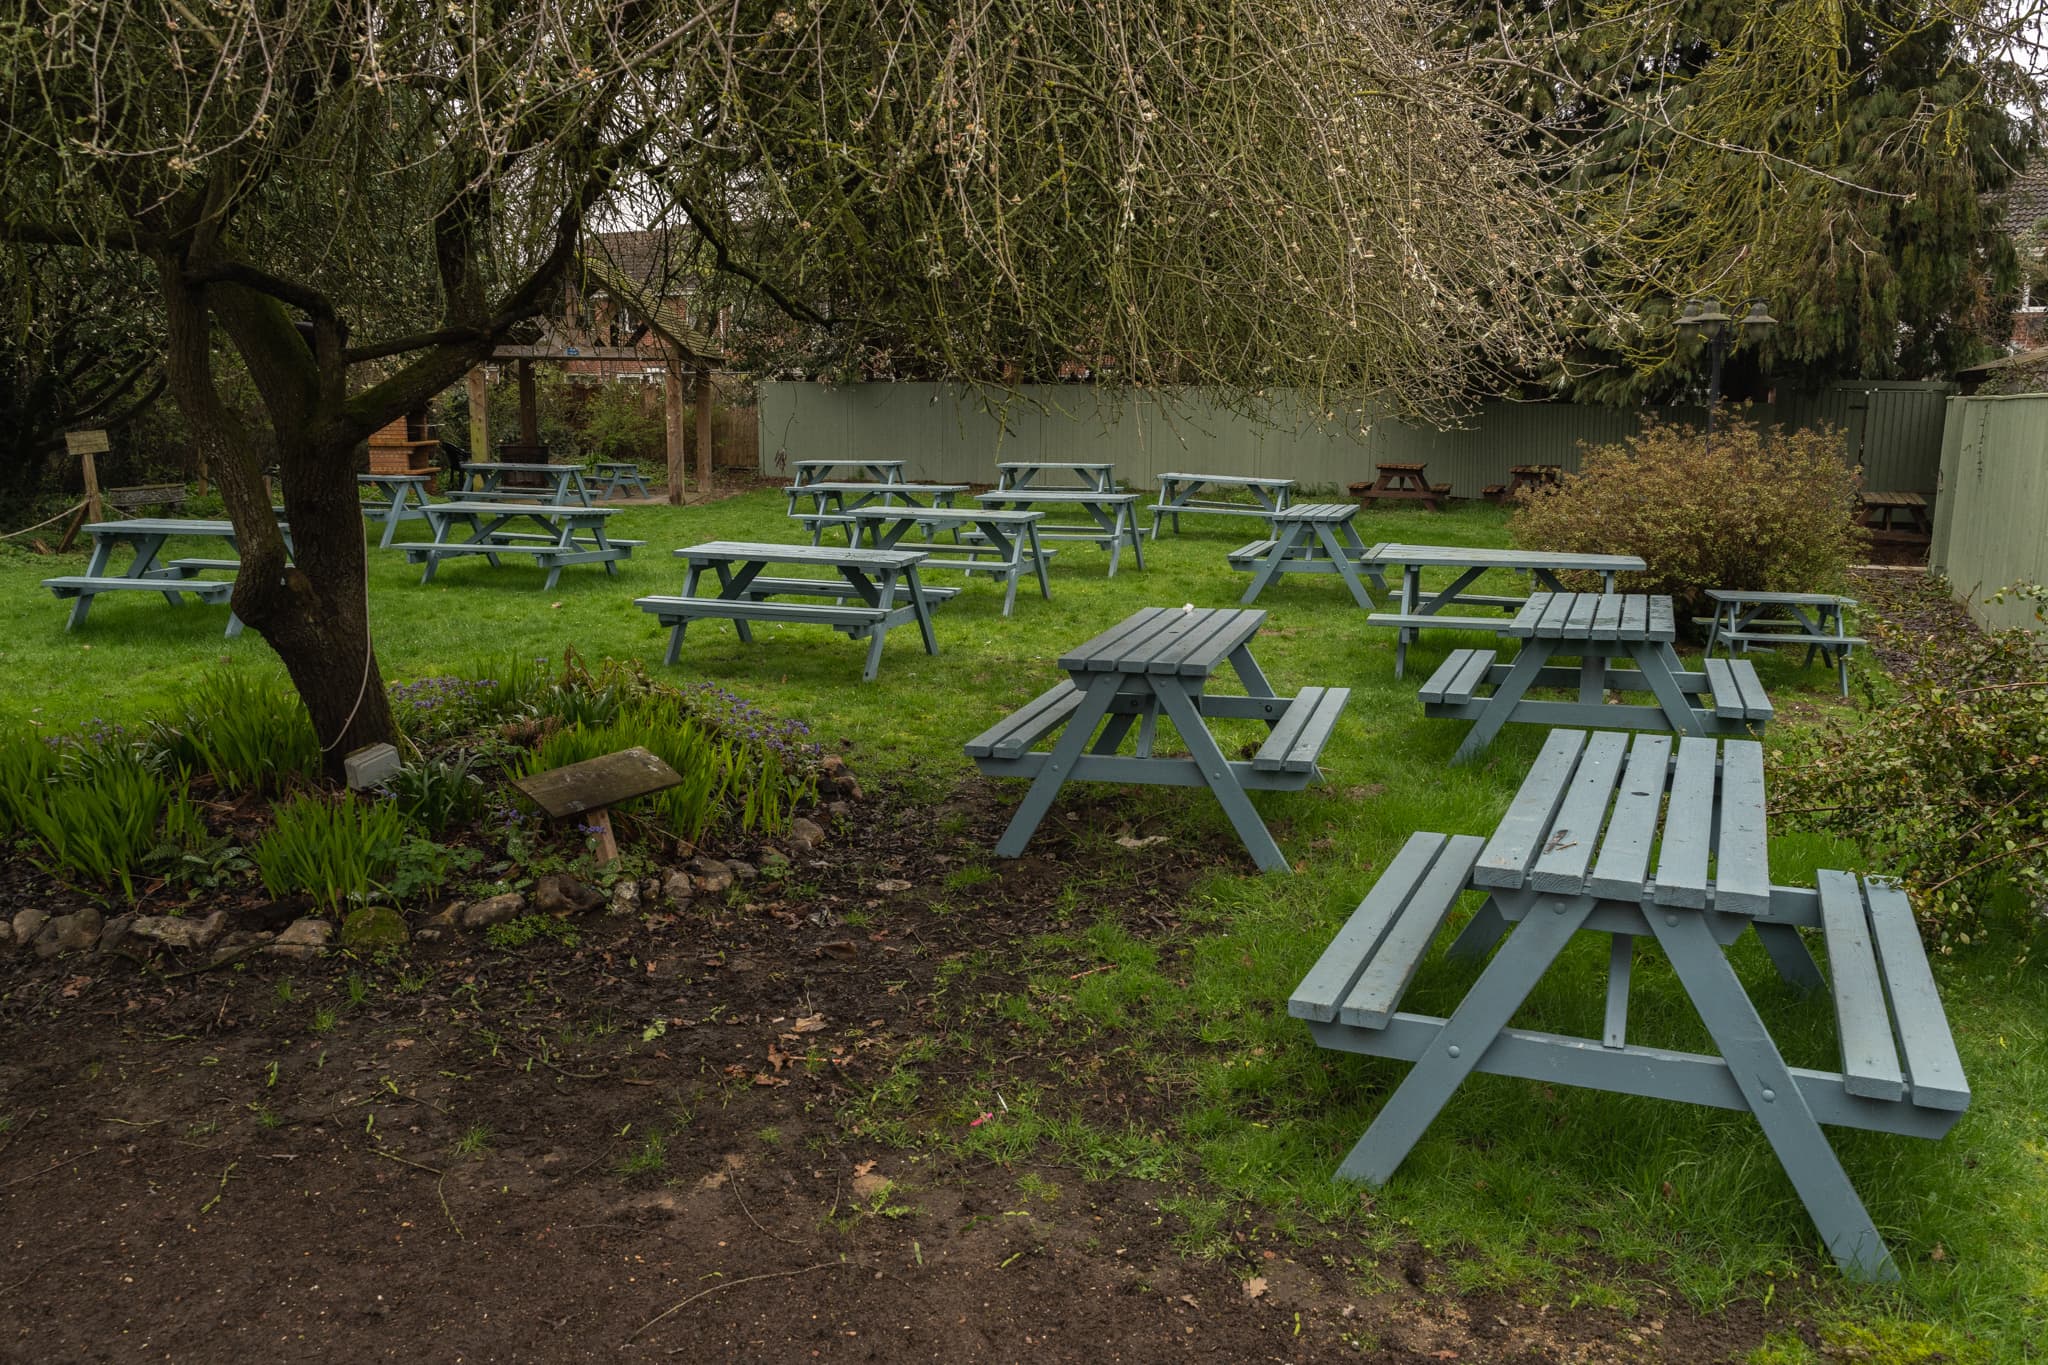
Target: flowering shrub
[(1947, 786), (1762, 510)]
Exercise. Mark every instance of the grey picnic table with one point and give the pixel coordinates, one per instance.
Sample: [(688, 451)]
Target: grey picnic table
[(1112, 518), (146, 571), (1201, 493), (1156, 663), (561, 483), (1574, 854), (874, 592), (1596, 629), (833, 501), (1421, 608), (563, 535), (1097, 476), (1005, 544), (804, 472), (1310, 537), (1813, 619), (619, 476), (399, 497)]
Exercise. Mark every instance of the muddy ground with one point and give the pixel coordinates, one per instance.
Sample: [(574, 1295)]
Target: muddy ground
[(651, 1145)]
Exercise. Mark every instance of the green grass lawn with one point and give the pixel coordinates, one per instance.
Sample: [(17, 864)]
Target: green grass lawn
[(1514, 1183)]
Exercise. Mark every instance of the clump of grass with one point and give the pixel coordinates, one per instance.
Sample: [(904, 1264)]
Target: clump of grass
[(250, 733), (333, 850)]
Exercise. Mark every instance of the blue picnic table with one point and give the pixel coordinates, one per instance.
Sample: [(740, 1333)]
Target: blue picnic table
[(1596, 629), (874, 591), (1312, 537), (619, 476), (833, 501), (145, 571), (1003, 544), (397, 497), (1813, 619), (1574, 855), (1096, 476), (1419, 608), (563, 535), (1157, 663), (1202, 493), (555, 485)]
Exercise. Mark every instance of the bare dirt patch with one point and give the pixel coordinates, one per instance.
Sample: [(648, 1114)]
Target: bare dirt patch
[(637, 1148)]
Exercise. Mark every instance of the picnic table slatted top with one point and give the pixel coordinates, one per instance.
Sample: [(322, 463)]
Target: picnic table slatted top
[(825, 556), (1595, 616), (1316, 511), (1166, 640), (162, 526), (1782, 599), (1037, 494), (1234, 480), (933, 515), (842, 486), (1470, 557), (1055, 464), (1893, 499), (519, 509), (520, 466)]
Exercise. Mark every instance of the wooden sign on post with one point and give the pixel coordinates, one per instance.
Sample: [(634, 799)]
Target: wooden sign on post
[(591, 787), (85, 445)]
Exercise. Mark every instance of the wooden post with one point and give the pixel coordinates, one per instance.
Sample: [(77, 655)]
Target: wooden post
[(479, 416), (86, 444), (704, 432), (672, 406), (529, 407)]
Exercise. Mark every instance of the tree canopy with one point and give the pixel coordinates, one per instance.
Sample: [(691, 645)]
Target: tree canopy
[(351, 202), (1834, 159)]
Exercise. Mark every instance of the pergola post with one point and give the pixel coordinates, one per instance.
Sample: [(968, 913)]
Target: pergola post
[(672, 411), (479, 415), (704, 431)]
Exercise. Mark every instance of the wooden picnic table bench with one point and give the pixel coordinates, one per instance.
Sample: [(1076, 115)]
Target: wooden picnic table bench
[(1005, 543), (1595, 628), (876, 591), (1402, 481), (564, 535), (1159, 661), (555, 485), (1813, 619), (1899, 518), (1573, 854), (145, 572), (620, 476), (1094, 475), (1419, 608), (1112, 517), (1310, 537), (1180, 493)]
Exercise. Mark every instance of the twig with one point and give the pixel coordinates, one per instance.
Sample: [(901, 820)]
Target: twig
[(727, 1284), (21, 1179), (440, 1185), (1105, 967), (755, 1221), (40, 1266)]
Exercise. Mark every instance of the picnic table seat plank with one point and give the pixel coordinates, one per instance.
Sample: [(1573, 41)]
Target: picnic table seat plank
[(1459, 676), (1933, 1069), (1380, 986), (1742, 857), (1323, 991), (1870, 1063), (1297, 740), (1017, 732)]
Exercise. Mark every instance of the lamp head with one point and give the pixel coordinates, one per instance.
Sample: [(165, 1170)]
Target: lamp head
[(1710, 320), (1687, 324), (1759, 326)]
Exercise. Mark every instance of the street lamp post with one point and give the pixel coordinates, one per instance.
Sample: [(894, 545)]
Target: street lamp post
[(1702, 320)]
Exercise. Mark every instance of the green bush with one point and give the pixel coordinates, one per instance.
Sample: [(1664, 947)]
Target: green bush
[(1946, 787), (618, 426), (1763, 510), (333, 850), (436, 793), (251, 733)]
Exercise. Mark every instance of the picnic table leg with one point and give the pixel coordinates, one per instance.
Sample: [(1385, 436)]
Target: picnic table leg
[(1759, 1071), (1011, 548), (922, 606), (1620, 958), (1216, 770), (1480, 933), (1059, 765), (398, 498), (735, 585), (1500, 707), (1347, 568), (1789, 955), (1659, 663), (1592, 679), (1465, 1036), (1283, 547)]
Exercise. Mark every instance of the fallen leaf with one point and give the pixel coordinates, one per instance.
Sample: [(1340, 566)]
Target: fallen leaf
[(841, 947), (777, 1058), (763, 1078), (1443, 1355), (810, 1023), (1128, 842), (1255, 1287), (1938, 1254), (892, 884), (862, 1168), (74, 986), (1189, 1300), (869, 1186)]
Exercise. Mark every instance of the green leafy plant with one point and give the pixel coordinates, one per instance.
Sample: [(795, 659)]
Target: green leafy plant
[(1947, 785), (249, 732), (530, 929), (436, 793), (1762, 510), (27, 765), (331, 849), (98, 817), (424, 867)]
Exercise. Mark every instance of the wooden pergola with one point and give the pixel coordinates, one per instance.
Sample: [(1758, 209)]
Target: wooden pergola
[(681, 348)]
